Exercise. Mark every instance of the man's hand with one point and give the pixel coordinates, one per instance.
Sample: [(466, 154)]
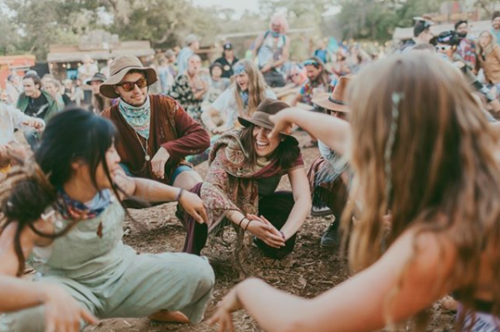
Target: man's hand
[(158, 162), (34, 123), (193, 205)]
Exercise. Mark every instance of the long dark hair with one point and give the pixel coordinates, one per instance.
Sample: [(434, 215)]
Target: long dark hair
[(286, 153), (72, 135)]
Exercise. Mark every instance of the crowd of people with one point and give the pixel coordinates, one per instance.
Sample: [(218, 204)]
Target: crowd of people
[(407, 161)]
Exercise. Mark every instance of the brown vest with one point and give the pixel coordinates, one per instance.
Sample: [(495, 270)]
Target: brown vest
[(162, 130)]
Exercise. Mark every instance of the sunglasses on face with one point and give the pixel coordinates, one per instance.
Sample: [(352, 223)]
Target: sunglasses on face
[(129, 86), (442, 47)]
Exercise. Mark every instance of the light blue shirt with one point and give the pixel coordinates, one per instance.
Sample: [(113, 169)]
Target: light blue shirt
[(182, 59), (496, 34)]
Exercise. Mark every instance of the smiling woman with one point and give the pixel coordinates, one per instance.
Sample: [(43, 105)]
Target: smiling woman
[(246, 167)]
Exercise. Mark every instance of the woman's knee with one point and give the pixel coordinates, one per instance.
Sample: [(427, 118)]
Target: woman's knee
[(32, 320)]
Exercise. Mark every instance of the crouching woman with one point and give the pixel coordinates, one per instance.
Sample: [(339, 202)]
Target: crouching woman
[(66, 212), (246, 167)]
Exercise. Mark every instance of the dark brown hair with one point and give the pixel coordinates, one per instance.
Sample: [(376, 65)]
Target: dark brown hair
[(74, 134)]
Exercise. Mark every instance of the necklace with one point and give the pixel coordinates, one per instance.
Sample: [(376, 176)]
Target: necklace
[(147, 157)]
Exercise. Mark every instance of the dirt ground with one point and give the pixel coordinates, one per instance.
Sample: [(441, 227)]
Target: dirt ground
[(308, 271)]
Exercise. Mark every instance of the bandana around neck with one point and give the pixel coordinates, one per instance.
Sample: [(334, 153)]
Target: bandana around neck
[(138, 117), (71, 209)]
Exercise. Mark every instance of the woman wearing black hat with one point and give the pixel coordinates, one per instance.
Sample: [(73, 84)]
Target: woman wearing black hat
[(246, 167)]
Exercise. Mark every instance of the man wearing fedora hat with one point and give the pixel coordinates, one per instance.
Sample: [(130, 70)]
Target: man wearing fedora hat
[(156, 133), (99, 102), (329, 173)]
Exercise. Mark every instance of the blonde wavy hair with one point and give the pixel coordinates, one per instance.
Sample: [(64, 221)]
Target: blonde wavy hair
[(256, 88), (444, 177)]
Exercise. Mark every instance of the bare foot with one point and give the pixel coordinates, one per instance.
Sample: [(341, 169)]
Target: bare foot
[(166, 316)]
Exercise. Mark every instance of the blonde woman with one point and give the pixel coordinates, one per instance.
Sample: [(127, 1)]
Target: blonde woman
[(488, 54), (421, 148), (241, 99)]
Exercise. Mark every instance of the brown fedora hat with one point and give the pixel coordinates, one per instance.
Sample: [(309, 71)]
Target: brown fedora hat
[(336, 101), (120, 67), (261, 116)]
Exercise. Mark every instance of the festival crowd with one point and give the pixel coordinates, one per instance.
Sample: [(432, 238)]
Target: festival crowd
[(407, 166)]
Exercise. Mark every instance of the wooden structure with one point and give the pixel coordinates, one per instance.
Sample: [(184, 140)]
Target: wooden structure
[(101, 46), (17, 64)]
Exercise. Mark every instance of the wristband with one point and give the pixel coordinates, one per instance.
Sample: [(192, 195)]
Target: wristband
[(179, 195), (249, 221), (239, 224)]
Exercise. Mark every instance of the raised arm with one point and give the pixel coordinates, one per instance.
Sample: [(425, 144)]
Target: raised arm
[(368, 301), (331, 131)]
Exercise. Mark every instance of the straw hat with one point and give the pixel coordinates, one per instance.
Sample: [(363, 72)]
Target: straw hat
[(261, 116), (336, 101), (120, 67)]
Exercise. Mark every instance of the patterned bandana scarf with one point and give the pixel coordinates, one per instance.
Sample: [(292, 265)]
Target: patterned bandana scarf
[(244, 98), (138, 117), (71, 209)]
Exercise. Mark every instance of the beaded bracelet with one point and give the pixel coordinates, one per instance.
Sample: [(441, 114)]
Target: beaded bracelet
[(179, 195)]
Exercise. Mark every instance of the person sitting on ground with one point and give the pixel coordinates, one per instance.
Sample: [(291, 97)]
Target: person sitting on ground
[(189, 89), (488, 54), (329, 175), (421, 148), (319, 80), (217, 85), (227, 60), (53, 87), (35, 102), (99, 102), (157, 134), (245, 170), (241, 99), (65, 210), (297, 76), (11, 151)]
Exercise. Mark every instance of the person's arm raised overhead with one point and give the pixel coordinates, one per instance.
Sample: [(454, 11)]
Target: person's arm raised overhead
[(331, 131)]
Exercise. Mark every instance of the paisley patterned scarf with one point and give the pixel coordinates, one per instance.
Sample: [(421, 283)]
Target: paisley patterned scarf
[(138, 117)]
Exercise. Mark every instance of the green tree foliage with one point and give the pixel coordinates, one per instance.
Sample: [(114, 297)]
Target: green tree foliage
[(377, 19)]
